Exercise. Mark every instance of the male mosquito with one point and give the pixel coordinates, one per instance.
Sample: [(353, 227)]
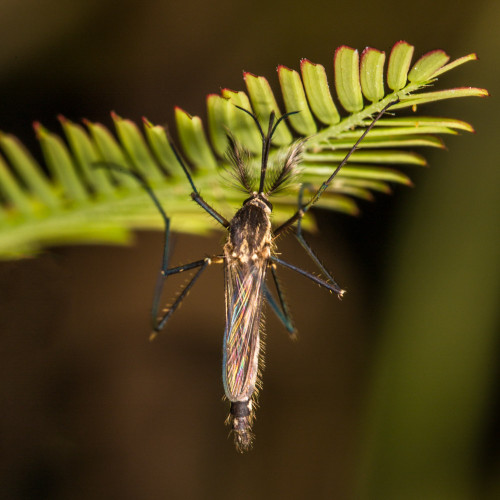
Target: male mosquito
[(247, 256)]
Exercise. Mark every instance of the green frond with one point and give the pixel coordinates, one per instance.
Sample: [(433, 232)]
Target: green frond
[(80, 203)]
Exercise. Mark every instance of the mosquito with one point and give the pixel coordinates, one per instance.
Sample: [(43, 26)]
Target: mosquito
[(248, 254)]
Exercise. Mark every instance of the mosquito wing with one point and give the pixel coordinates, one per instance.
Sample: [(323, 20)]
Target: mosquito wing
[(244, 287)]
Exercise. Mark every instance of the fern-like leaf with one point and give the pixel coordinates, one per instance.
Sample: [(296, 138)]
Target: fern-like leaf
[(79, 203)]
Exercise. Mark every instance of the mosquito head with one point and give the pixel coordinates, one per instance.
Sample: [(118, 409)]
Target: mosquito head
[(266, 141), (259, 197)]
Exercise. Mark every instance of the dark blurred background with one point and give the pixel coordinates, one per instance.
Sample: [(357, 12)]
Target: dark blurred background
[(390, 394)]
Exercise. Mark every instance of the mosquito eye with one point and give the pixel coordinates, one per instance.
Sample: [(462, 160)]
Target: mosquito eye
[(249, 199)]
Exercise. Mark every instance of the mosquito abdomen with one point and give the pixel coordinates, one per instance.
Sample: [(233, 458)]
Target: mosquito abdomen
[(241, 420)]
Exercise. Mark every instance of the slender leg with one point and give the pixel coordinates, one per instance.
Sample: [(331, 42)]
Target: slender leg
[(333, 287), (281, 311), (306, 246), (195, 195), (145, 185), (159, 322), (305, 208)]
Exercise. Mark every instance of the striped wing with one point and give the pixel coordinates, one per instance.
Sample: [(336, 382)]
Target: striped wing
[(244, 288)]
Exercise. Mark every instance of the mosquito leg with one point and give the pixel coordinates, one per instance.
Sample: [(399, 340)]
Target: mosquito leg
[(159, 322), (281, 310), (306, 207), (333, 287), (166, 220), (164, 271), (162, 276), (305, 245), (195, 195)]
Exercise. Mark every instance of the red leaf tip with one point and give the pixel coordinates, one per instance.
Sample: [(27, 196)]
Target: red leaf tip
[(343, 47), (435, 51), (179, 110), (249, 75), (305, 61), (401, 42), (282, 67), (37, 127), (367, 50)]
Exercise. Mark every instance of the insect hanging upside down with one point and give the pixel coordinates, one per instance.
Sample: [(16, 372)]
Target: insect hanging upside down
[(247, 257)]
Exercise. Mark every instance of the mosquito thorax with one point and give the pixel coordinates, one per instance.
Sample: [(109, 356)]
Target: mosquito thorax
[(250, 231)]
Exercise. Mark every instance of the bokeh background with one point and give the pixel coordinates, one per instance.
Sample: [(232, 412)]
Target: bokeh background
[(390, 394)]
